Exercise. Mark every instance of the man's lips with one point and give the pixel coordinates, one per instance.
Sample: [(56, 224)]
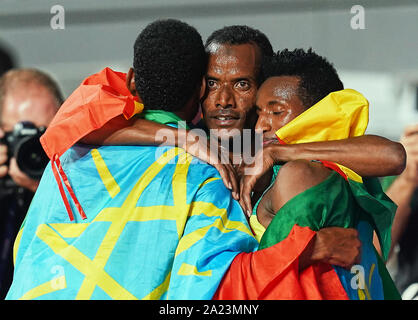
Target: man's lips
[(225, 118)]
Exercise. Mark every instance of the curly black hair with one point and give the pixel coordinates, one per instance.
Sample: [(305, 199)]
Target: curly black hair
[(318, 76), (169, 63), (240, 34)]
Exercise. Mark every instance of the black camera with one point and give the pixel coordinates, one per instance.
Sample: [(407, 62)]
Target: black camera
[(23, 144)]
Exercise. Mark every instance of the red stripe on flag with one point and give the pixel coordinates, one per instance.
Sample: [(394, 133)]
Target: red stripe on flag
[(69, 188), (333, 166), (62, 192)]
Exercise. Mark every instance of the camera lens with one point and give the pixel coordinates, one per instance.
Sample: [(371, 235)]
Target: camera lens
[(30, 157)]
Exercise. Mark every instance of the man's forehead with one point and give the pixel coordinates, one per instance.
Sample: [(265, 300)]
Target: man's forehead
[(233, 58), (281, 86), (34, 104)]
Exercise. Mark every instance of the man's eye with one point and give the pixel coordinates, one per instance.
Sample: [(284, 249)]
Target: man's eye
[(277, 113), (211, 83), (242, 85)]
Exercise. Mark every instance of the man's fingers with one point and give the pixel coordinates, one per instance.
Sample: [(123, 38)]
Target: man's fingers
[(229, 178), (245, 195), (3, 154), (410, 141), (411, 129), (234, 182), (224, 175), (242, 204), (3, 171)]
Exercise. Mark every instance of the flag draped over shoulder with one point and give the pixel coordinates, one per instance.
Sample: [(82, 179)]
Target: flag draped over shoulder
[(98, 99), (160, 225), (343, 199)]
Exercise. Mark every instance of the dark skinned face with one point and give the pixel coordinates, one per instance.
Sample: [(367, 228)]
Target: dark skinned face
[(277, 104), (231, 87)]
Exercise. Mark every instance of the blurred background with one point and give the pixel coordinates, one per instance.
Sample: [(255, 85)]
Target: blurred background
[(378, 58)]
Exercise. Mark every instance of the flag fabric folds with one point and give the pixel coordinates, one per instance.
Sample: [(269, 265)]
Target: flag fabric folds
[(99, 98), (157, 223), (160, 225)]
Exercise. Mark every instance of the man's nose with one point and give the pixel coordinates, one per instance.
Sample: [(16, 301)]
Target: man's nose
[(263, 124), (225, 98)]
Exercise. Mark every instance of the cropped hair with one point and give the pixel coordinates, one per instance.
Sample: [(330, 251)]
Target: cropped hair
[(169, 63), (317, 75)]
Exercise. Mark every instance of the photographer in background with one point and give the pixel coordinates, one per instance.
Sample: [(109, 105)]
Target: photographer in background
[(29, 99), (403, 190)]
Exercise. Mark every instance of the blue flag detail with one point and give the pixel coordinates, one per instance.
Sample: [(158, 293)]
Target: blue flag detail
[(160, 225)]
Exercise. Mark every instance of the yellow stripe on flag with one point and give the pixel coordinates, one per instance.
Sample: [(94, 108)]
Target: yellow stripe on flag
[(109, 182), (45, 288), (257, 227), (69, 230), (350, 174), (190, 270), (160, 290), (16, 245)]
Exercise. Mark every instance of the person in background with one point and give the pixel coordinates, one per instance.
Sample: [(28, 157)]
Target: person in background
[(7, 61), (403, 191), (26, 95)]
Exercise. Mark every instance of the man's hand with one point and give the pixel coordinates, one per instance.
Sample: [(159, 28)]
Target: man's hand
[(20, 178), (200, 147), (409, 140), (252, 173), (337, 246), (3, 158)]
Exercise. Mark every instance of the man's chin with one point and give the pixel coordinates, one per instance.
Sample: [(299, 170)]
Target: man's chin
[(224, 132), (226, 128)]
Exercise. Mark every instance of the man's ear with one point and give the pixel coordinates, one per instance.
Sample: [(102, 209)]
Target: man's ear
[(130, 82), (203, 89)]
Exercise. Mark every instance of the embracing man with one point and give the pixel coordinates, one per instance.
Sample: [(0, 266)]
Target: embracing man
[(303, 100)]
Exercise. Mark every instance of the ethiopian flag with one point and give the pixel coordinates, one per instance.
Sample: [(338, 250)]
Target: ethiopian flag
[(344, 199), (154, 222), (159, 225)]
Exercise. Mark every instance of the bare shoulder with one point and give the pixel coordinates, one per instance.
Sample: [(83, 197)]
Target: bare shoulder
[(295, 177)]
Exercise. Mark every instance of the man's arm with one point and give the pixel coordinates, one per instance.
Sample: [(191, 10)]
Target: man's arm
[(366, 155), (369, 155), (383, 157), (402, 189), (137, 131)]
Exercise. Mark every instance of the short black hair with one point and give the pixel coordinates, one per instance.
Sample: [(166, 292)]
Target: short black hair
[(318, 77), (169, 63), (6, 61), (241, 34)]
